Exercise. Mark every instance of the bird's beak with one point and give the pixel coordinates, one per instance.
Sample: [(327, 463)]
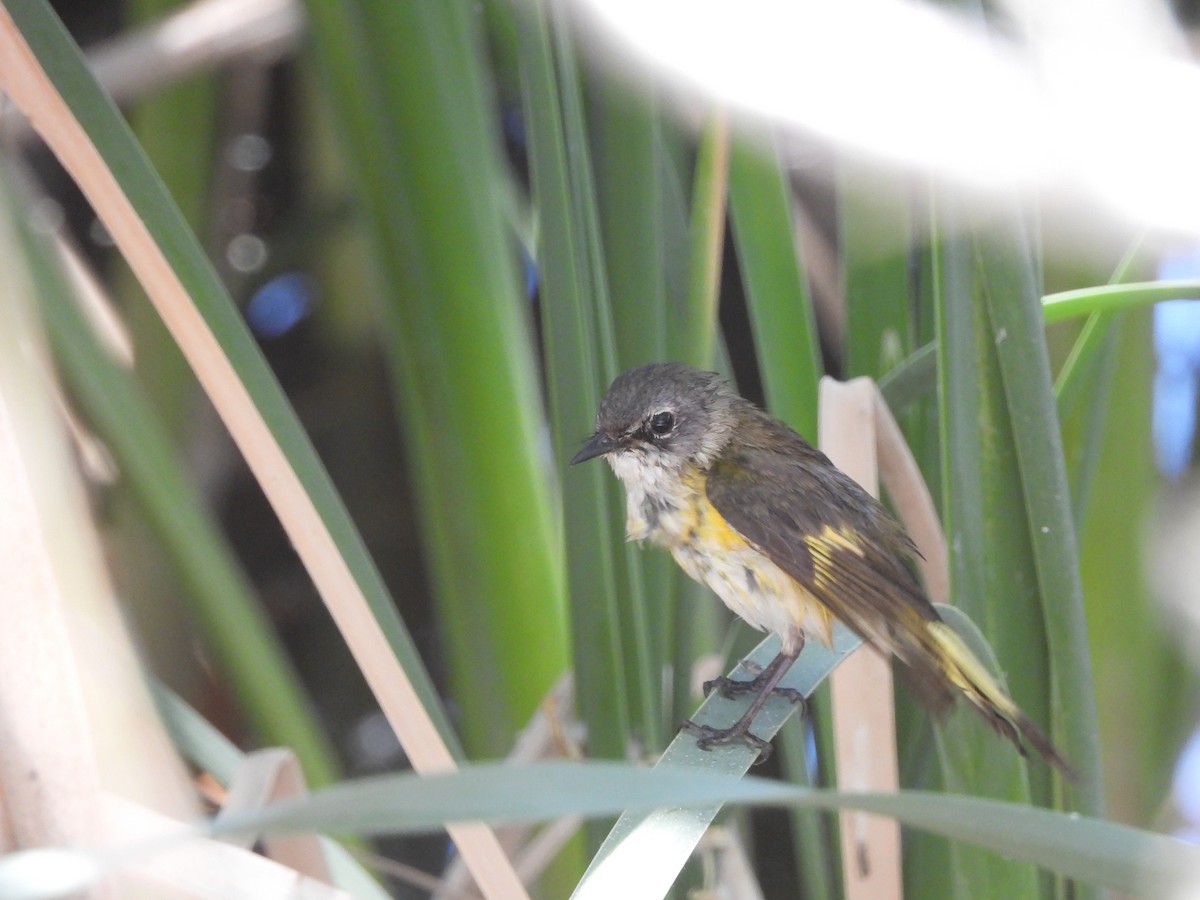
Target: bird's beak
[(598, 444)]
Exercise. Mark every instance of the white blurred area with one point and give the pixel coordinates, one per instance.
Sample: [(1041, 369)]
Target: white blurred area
[(1092, 98)]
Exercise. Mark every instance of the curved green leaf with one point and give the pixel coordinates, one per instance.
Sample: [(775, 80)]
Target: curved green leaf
[(1112, 297), (1091, 850)]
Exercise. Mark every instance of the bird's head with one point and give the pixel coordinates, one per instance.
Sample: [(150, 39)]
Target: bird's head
[(663, 415)]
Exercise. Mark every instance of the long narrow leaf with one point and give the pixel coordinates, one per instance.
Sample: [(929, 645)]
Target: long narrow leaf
[(875, 244), (990, 562), (639, 616), (460, 345), (1125, 859), (695, 339), (625, 143), (776, 287), (575, 356), (1025, 369), (1098, 852), (626, 149)]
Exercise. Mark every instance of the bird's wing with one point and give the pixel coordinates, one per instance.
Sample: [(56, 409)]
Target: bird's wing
[(787, 500), (821, 528)]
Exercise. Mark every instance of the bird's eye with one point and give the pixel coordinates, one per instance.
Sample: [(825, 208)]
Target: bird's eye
[(662, 423)]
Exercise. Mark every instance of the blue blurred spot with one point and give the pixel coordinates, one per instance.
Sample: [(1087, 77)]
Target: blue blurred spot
[(531, 274), (812, 755), (1174, 418), (1177, 346), (512, 121), (1186, 782), (281, 304)]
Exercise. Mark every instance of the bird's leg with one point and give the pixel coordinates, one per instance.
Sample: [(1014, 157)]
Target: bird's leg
[(734, 687), (765, 683)]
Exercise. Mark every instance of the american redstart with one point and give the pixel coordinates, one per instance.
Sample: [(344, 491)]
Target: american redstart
[(784, 538)]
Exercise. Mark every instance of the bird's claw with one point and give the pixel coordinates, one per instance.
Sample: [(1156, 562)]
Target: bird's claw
[(734, 687), (708, 737)]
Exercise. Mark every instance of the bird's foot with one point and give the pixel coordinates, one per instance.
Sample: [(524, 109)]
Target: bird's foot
[(734, 687), (708, 737)]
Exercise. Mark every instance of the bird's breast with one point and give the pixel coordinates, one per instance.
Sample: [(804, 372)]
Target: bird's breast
[(670, 507), (673, 510)]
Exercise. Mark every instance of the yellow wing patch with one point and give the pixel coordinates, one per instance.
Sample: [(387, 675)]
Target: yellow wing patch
[(822, 547)]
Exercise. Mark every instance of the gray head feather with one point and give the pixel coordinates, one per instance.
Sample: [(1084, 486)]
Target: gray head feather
[(700, 407)]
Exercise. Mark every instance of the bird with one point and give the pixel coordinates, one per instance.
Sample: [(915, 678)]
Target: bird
[(785, 539)]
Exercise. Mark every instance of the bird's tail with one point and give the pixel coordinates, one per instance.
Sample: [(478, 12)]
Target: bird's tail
[(969, 675)]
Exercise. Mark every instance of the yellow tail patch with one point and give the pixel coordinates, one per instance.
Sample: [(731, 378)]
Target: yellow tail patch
[(969, 675)]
